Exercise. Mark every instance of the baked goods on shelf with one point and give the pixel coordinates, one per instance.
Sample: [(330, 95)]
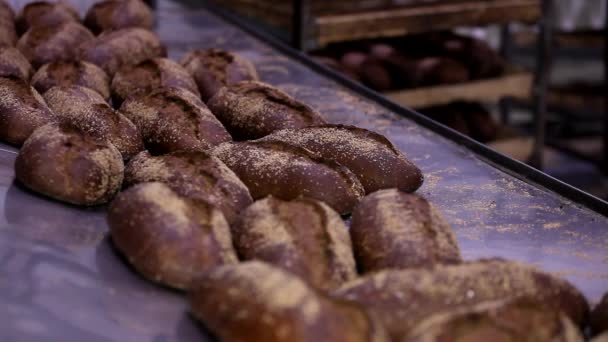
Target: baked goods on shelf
[(13, 63), (118, 14), (69, 73), (8, 31), (46, 13)]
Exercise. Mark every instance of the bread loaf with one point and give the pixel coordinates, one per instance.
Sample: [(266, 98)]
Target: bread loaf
[(599, 316), (214, 68), (251, 110), (87, 110), (13, 63), (8, 32), (401, 298), (167, 238), (44, 13), (62, 162), (46, 44), (194, 175), (174, 119), (394, 229), (254, 301), (303, 236), (149, 75), (73, 73), (370, 156), (22, 110), (118, 14), (288, 172), (113, 50)]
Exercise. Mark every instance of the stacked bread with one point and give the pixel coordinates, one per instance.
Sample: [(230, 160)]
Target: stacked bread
[(231, 189)]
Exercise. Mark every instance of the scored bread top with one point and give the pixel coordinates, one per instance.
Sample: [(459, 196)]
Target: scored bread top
[(118, 14), (13, 63), (46, 13), (68, 73)]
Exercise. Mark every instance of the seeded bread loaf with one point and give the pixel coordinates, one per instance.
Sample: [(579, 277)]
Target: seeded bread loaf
[(251, 110), (87, 110), (13, 63), (149, 75), (214, 68), (118, 14), (303, 236), (174, 119), (73, 73), (22, 110), (8, 32), (288, 172), (194, 175), (45, 13), (599, 316), (254, 301), (370, 156), (169, 239), (401, 298), (394, 229), (62, 162)]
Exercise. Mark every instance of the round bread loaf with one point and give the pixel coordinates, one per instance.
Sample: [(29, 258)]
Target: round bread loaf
[(303, 236), (87, 110), (118, 14), (113, 50), (194, 175), (370, 156), (72, 73), (251, 110), (169, 239), (8, 32), (288, 172), (62, 162), (599, 316), (13, 63), (394, 229), (44, 13), (174, 119), (214, 68), (46, 44), (254, 301), (401, 298), (22, 110), (149, 75), (508, 321)]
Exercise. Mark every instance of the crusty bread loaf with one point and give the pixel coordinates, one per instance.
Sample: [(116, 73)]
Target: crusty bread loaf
[(45, 13), (13, 63), (303, 236), (401, 298), (194, 175), (508, 321), (254, 301), (370, 156), (22, 110), (251, 110), (71, 73), (118, 14), (113, 50), (87, 110), (149, 75), (599, 316), (46, 44), (174, 119), (8, 32), (169, 239), (394, 229), (214, 68), (288, 172), (62, 162)]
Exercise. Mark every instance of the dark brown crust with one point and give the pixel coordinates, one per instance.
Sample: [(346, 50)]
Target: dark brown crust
[(402, 298), (288, 172), (251, 110), (254, 301), (303, 236), (62, 162), (44, 13), (214, 68), (174, 119), (194, 175), (118, 14), (46, 44), (8, 32), (113, 50), (369, 155), (22, 110), (78, 73), (394, 229), (13, 63), (599, 317), (167, 238)]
